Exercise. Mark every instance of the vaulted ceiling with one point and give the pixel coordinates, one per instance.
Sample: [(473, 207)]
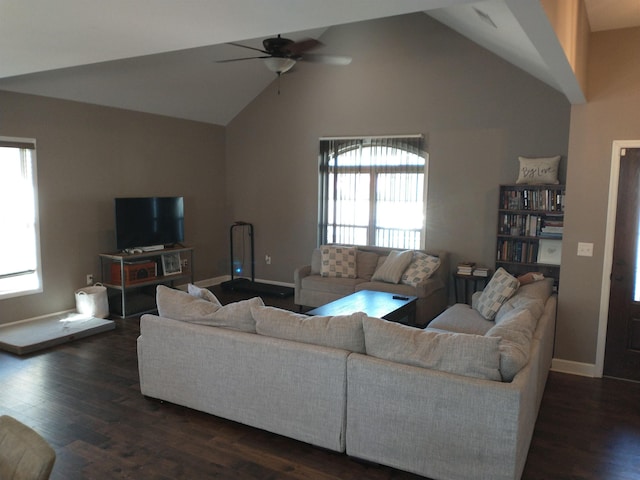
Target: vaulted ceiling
[(159, 56)]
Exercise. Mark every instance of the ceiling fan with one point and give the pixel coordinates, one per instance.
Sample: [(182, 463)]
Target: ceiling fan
[(281, 54)]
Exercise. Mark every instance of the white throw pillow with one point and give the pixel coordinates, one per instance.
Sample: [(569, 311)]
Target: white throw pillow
[(542, 170), (499, 289), (338, 261), (421, 267), (393, 267), (203, 293)]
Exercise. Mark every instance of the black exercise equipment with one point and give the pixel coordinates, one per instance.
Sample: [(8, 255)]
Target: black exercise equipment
[(247, 285)]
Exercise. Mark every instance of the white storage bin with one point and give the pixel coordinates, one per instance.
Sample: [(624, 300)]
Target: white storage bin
[(93, 301)]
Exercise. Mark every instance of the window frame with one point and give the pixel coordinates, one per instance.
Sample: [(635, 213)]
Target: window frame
[(34, 283), (415, 146)]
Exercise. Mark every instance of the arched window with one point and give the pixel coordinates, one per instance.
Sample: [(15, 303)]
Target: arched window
[(373, 191)]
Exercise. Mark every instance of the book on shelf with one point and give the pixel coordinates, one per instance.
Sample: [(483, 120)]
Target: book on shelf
[(465, 268), (481, 272)]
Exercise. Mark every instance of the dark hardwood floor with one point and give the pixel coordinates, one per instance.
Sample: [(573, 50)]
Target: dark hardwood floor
[(84, 398)]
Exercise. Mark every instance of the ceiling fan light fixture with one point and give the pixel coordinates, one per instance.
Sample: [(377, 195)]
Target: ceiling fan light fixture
[(279, 65)]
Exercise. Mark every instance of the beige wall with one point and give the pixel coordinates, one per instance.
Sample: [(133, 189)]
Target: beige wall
[(571, 24), (611, 114), (409, 74), (87, 155)]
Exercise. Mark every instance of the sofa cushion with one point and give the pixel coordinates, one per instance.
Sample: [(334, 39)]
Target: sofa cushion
[(535, 306), (316, 261), (179, 305), (537, 292), (422, 266), (461, 354), (499, 289), (393, 267), (338, 261), (366, 263), (340, 331), (461, 318), (541, 289), (334, 285), (516, 332), (203, 293)]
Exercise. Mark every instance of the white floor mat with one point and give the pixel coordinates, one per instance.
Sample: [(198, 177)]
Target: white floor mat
[(32, 335)]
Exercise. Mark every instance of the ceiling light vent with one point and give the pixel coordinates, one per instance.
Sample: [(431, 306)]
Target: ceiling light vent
[(485, 17)]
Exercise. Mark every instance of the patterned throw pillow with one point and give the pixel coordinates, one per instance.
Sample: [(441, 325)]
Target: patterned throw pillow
[(422, 267), (338, 261), (500, 288)]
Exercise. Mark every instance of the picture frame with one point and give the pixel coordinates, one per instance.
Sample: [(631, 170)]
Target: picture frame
[(171, 264), (550, 251)]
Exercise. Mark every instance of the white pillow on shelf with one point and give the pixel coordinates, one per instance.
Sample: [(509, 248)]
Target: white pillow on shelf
[(539, 170)]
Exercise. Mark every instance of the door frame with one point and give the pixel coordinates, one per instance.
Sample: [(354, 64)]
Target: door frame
[(607, 262)]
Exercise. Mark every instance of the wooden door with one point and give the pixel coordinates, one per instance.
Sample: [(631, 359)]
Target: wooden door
[(622, 354)]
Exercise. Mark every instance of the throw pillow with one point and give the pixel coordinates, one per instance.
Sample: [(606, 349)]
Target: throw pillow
[(203, 293), (516, 332), (338, 261), (393, 267), (459, 353), (542, 170), (340, 331), (179, 305), (421, 267), (501, 286)]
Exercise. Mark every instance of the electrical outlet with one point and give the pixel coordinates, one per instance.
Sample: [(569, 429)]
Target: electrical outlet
[(90, 279), (585, 249), (267, 259)]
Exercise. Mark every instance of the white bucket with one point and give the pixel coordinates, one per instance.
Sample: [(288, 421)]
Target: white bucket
[(93, 301)]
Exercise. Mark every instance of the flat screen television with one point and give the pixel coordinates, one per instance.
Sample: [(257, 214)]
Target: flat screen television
[(149, 222)]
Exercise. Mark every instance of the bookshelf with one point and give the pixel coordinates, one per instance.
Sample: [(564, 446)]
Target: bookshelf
[(530, 228)]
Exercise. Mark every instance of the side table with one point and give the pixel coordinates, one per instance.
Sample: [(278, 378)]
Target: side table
[(465, 286)]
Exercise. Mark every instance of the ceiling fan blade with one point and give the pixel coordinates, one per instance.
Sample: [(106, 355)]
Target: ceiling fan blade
[(327, 59), (302, 46), (250, 48), (244, 58)]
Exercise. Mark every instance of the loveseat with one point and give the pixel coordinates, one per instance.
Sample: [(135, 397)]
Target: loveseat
[(439, 402), (314, 288)]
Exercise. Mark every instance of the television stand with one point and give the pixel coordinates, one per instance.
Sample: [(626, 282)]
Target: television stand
[(132, 278)]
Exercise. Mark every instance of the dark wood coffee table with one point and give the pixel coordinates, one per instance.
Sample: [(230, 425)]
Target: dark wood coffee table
[(390, 306)]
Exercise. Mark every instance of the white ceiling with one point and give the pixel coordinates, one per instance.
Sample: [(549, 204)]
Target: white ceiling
[(158, 56)]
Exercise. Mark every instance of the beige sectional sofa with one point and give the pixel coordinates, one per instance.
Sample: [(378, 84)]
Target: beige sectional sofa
[(439, 402), (312, 289)]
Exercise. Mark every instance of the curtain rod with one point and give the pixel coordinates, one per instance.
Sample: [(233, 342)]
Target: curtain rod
[(413, 135)]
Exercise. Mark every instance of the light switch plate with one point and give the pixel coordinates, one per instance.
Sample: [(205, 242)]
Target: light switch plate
[(585, 249)]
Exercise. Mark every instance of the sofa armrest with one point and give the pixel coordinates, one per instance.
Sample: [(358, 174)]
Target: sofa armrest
[(299, 273), (428, 286)]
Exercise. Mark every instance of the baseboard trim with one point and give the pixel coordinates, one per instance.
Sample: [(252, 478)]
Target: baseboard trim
[(575, 368), (210, 282)]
